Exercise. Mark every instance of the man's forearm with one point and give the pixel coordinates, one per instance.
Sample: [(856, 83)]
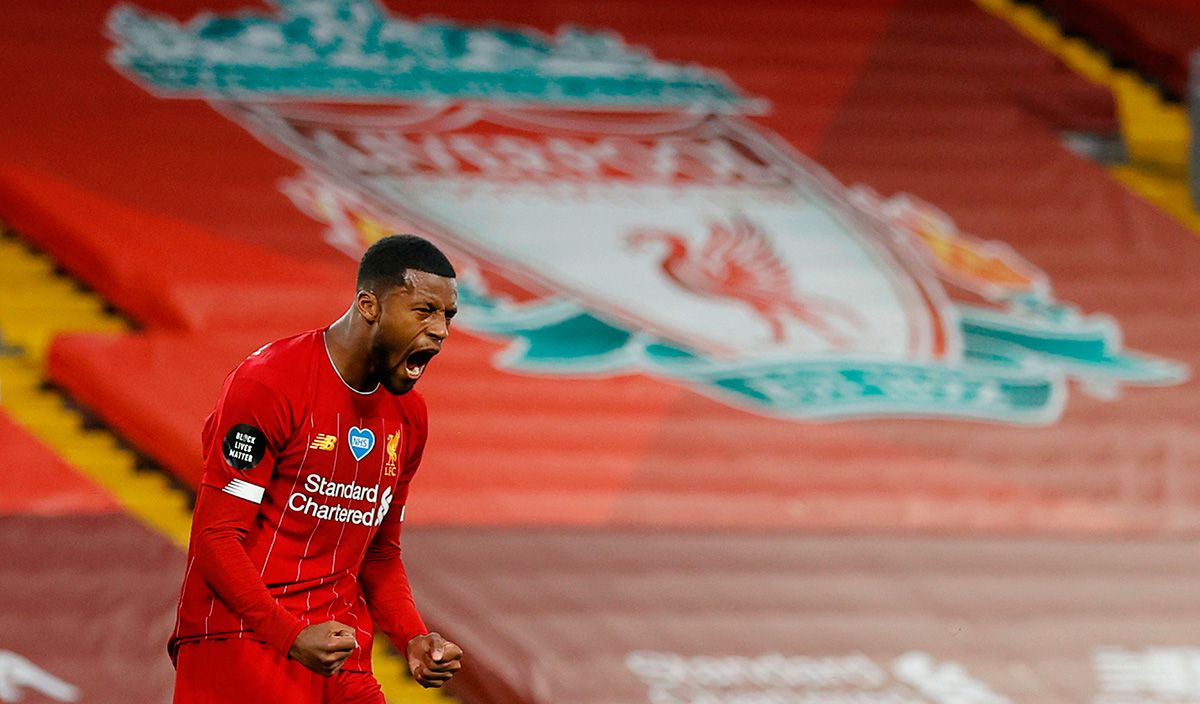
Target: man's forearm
[(221, 559), (390, 600)]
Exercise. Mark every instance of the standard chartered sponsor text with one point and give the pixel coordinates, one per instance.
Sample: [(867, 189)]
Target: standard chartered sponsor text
[(767, 679), (772, 669), (914, 677), (317, 487)]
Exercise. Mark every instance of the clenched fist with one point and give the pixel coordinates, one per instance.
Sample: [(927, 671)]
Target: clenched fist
[(433, 660), (324, 647)]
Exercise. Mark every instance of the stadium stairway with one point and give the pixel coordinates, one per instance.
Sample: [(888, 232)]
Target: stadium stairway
[(36, 303), (1155, 130)]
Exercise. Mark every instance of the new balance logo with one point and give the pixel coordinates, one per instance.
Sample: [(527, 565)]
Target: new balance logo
[(323, 442)]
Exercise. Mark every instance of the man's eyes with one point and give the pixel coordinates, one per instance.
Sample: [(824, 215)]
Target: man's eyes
[(430, 310)]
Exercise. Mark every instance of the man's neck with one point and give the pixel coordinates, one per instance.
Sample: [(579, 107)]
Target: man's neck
[(347, 348)]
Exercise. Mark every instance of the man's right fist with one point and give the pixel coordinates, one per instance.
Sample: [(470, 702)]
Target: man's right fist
[(323, 647), (433, 660)]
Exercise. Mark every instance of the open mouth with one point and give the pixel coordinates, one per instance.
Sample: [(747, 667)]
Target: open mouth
[(414, 366)]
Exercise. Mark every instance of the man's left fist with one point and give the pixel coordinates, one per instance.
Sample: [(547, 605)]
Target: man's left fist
[(433, 660)]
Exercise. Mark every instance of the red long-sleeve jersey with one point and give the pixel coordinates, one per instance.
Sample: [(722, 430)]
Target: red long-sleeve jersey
[(300, 506)]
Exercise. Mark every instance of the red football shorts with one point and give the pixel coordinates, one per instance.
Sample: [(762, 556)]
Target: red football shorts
[(237, 671)]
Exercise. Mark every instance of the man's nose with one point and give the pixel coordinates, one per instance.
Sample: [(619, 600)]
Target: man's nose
[(439, 329)]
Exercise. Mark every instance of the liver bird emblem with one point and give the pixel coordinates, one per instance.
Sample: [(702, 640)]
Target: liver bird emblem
[(393, 446), (736, 262)]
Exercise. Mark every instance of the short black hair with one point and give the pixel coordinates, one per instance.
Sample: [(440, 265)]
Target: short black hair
[(386, 262)]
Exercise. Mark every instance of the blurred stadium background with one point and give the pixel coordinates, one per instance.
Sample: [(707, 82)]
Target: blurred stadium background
[(966, 469)]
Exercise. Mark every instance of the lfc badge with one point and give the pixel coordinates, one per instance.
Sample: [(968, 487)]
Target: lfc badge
[(393, 446)]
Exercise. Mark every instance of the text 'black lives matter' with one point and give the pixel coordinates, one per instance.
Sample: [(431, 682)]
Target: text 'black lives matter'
[(244, 446)]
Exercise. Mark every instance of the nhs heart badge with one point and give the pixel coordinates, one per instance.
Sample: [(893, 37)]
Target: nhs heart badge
[(361, 441)]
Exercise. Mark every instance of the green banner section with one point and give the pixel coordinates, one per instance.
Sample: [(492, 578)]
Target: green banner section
[(356, 49), (1014, 367)]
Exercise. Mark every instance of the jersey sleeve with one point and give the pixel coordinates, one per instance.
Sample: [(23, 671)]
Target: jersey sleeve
[(243, 438), (382, 575)]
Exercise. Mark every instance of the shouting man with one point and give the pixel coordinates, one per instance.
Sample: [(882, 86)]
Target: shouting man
[(295, 548)]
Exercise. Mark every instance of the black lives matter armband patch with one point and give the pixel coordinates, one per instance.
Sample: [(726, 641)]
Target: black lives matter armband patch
[(244, 446)]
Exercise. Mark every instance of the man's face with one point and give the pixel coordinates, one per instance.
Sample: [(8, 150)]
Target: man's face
[(413, 322)]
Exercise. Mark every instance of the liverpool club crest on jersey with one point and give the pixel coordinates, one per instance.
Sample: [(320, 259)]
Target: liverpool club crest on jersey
[(615, 213), (393, 447)]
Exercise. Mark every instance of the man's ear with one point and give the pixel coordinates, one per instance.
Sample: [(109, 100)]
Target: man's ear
[(368, 306)]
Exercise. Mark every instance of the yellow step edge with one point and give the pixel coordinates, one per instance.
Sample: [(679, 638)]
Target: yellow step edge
[(23, 266), (1156, 131), (47, 428), (25, 269), (97, 454), (59, 303), (40, 406), (18, 285)]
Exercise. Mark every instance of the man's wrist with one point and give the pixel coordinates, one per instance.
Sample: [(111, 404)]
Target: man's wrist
[(282, 631)]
